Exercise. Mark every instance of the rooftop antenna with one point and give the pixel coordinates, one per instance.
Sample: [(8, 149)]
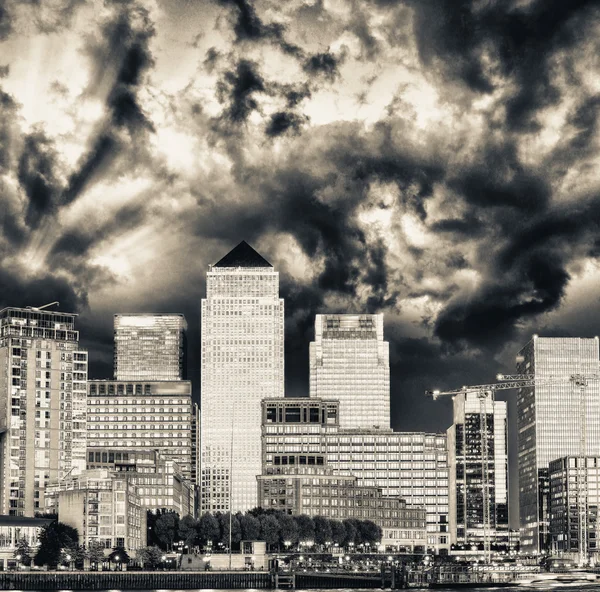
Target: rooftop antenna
[(44, 306)]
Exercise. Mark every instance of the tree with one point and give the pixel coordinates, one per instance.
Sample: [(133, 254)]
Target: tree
[(150, 556), (370, 532), (322, 530), (208, 529), (288, 530), (23, 552), (95, 553), (269, 529), (119, 555), (188, 530), (72, 554), (250, 527), (54, 537), (338, 532), (165, 529), (350, 529), (236, 531), (306, 528)]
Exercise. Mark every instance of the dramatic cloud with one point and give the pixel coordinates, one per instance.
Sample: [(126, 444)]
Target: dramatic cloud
[(437, 162)]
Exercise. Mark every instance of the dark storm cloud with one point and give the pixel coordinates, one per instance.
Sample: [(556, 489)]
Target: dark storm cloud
[(497, 178), (284, 122), (6, 20), (76, 242), (237, 89), (250, 27), (19, 289), (294, 95), (123, 49), (37, 176), (523, 39), (324, 64), (4, 71)]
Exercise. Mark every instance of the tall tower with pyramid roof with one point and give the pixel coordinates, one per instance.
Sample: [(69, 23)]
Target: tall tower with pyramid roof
[(242, 363)]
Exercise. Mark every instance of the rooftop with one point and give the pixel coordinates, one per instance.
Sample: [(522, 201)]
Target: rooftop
[(243, 256)]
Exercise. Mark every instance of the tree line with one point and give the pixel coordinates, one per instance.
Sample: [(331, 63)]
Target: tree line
[(279, 530)]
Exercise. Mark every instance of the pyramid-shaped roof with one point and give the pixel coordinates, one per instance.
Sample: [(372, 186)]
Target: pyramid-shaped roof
[(242, 256)]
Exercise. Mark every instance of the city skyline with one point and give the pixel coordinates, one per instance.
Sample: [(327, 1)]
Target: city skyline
[(379, 163)]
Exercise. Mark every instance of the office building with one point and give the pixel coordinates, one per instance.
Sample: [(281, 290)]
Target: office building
[(159, 481), (104, 507), (412, 466), (349, 362), (319, 491), (195, 444), (565, 491), (549, 423), (42, 405), (150, 347), (242, 362), (478, 472), (14, 529), (127, 416)]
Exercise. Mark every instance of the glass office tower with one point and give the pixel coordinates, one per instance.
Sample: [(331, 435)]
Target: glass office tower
[(150, 347), (549, 423), (242, 362), (349, 361), (468, 468), (43, 376)]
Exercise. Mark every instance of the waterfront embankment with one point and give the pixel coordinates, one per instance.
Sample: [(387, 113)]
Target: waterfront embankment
[(174, 580)]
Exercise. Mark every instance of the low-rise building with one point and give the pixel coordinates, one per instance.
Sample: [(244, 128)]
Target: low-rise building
[(319, 491), (159, 480), (412, 466), (103, 506), (14, 529)]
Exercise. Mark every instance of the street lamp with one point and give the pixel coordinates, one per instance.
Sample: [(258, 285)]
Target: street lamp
[(118, 562), (18, 558)]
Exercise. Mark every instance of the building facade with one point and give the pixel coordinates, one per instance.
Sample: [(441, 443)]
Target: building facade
[(242, 362), (126, 416), (42, 405), (349, 362), (412, 466), (478, 476), (159, 481), (565, 492), (14, 529), (319, 491), (549, 423), (104, 507), (150, 347)]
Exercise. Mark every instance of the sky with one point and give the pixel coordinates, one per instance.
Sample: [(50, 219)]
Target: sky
[(434, 161)]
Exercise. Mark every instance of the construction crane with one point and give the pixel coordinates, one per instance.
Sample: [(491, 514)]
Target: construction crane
[(517, 381)]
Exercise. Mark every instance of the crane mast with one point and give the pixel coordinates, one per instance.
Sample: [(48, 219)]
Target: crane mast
[(517, 381)]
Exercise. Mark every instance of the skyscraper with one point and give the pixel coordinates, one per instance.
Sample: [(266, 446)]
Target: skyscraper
[(150, 347), (349, 361), (42, 405), (549, 423), (242, 362), (474, 481)]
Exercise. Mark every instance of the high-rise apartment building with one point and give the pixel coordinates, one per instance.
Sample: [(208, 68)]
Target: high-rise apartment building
[(128, 416), (242, 362), (478, 468), (549, 423), (349, 361), (413, 466), (150, 347), (43, 376)]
